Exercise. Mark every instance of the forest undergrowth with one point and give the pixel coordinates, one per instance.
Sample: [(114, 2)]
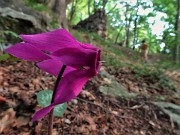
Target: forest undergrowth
[(92, 112)]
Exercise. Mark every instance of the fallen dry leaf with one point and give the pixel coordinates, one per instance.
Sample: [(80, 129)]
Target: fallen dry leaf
[(87, 94), (38, 128), (21, 121), (91, 122), (2, 99), (7, 120)]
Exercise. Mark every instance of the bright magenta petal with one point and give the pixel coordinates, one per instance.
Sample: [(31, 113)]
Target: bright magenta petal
[(51, 41), (41, 113), (53, 66), (89, 46), (27, 52), (77, 57), (68, 88), (71, 85)]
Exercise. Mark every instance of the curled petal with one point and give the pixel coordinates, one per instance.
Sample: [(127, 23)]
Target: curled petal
[(98, 56), (68, 88), (77, 57), (27, 52), (53, 66), (51, 41), (71, 85)]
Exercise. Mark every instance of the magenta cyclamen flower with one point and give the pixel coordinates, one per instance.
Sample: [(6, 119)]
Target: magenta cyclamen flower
[(51, 51)]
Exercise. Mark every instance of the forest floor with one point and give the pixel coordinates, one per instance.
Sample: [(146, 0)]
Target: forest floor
[(91, 113)]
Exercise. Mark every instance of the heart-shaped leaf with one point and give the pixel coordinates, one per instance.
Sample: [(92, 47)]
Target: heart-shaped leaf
[(44, 99), (59, 110)]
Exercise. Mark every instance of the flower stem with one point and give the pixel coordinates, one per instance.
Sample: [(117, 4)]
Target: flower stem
[(50, 125)]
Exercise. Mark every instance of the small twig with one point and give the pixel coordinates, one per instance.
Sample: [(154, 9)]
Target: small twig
[(70, 109), (90, 102), (136, 107), (105, 109), (172, 123), (155, 116)]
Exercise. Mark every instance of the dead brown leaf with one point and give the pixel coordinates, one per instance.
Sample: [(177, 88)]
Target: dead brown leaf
[(91, 122), (38, 128), (7, 120), (2, 99), (21, 121), (87, 94)]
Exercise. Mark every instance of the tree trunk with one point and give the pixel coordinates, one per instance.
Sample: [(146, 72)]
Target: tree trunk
[(116, 39), (177, 31), (128, 22), (127, 32), (59, 8), (89, 5), (73, 9), (104, 4), (135, 26)]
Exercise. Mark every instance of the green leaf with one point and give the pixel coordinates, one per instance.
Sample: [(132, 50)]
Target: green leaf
[(59, 110), (44, 99), (4, 57), (12, 33)]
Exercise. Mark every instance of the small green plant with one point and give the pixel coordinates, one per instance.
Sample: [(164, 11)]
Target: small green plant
[(12, 33), (4, 57), (44, 98)]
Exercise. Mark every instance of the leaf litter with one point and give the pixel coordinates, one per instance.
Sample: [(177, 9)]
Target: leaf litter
[(90, 113)]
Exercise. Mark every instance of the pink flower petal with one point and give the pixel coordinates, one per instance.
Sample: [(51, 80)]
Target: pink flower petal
[(77, 57), (53, 66), (51, 41), (41, 113), (27, 52), (89, 46), (71, 85), (68, 88)]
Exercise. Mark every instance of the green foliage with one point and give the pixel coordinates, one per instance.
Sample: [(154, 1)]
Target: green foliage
[(54, 23), (37, 6), (78, 36), (8, 32), (167, 64), (4, 57), (153, 73), (80, 11), (44, 99)]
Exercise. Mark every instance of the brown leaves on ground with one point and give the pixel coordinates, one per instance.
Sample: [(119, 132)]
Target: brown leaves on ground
[(90, 114), (7, 120), (2, 99)]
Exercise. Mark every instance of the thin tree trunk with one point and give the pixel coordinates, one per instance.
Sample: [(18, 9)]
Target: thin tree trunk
[(127, 32), (104, 3), (115, 42), (135, 26), (128, 22), (73, 9), (177, 31), (89, 5)]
